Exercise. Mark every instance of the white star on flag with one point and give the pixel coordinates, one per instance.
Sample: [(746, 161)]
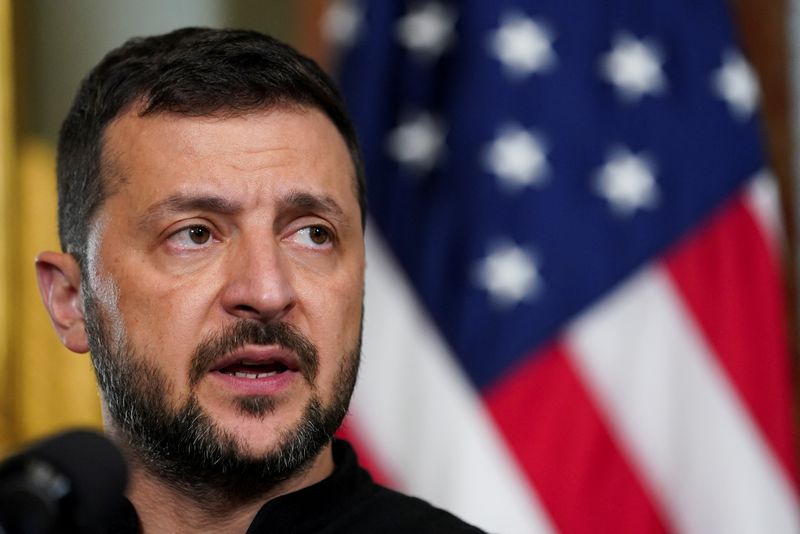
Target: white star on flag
[(628, 182), (427, 30), (522, 45), (341, 23), (509, 274), (516, 157), (736, 83), (417, 142), (633, 66)]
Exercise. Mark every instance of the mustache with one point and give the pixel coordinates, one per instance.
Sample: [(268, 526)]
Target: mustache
[(236, 335)]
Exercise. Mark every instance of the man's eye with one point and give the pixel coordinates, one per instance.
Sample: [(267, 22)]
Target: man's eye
[(199, 234), (191, 236), (315, 235)]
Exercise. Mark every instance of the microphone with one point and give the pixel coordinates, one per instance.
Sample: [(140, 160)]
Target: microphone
[(72, 482)]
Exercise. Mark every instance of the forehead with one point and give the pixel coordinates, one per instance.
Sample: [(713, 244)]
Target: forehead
[(253, 153)]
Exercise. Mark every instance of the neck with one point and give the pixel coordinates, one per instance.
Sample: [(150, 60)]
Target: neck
[(163, 508)]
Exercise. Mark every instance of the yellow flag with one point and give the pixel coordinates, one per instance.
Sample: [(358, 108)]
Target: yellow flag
[(44, 387), (6, 170)]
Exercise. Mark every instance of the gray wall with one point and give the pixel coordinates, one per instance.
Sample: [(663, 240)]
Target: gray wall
[(60, 40)]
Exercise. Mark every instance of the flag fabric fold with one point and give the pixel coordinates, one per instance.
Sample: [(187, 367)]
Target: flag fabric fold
[(575, 313)]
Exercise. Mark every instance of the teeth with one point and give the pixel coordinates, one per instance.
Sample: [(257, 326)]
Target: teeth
[(245, 375), (240, 374)]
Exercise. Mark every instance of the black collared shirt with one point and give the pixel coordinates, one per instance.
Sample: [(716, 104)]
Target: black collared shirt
[(348, 501)]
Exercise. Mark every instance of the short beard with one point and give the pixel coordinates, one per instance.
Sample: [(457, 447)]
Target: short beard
[(185, 448)]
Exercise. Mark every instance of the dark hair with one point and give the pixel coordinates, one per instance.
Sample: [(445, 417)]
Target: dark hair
[(194, 72)]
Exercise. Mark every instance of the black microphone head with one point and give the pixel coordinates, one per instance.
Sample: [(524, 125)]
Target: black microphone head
[(78, 476)]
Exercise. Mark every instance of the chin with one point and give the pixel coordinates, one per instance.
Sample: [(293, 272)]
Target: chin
[(259, 422)]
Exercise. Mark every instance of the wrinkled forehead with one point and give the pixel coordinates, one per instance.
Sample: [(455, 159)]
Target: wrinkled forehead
[(115, 155)]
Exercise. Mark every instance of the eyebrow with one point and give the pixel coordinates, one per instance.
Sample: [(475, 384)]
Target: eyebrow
[(324, 204), (293, 201), (183, 202)]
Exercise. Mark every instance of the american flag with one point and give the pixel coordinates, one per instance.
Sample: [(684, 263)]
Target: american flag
[(574, 310)]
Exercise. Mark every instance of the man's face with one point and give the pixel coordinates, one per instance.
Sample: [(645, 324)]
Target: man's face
[(228, 262)]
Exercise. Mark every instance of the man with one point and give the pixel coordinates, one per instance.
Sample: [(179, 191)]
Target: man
[(211, 213)]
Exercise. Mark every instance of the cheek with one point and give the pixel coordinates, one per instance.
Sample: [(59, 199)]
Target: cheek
[(105, 293), (162, 312), (333, 312)]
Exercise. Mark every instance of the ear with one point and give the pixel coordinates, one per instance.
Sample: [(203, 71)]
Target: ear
[(59, 280)]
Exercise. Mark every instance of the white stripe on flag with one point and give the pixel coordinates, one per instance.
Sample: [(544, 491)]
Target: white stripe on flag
[(763, 200), (416, 411), (672, 408)]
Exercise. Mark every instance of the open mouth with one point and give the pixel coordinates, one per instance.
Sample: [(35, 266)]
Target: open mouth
[(254, 370)]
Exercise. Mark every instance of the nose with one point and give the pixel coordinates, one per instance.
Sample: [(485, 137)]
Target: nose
[(258, 285)]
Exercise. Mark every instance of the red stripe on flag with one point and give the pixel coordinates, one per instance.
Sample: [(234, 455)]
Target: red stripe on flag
[(728, 277), (561, 442)]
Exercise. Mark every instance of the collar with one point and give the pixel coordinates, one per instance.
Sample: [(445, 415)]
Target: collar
[(319, 503), (303, 509)]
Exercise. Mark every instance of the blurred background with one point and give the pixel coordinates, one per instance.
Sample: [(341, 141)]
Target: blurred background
[(581, 297)]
